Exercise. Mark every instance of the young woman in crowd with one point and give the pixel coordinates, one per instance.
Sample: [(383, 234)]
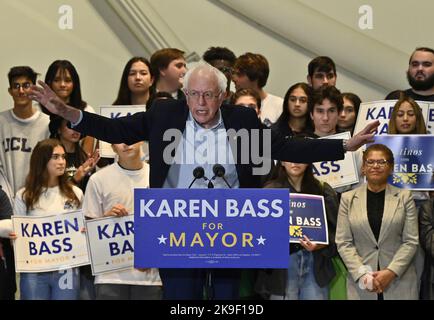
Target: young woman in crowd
[(47, 191), (406, 117), (377, 233), (348, 114), (135, 83), (134, 89), (79, 167), (295, 117), (63, 79), (310, 265)]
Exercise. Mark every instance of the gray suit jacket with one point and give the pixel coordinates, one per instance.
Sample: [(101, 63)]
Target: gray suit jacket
[(396, 246)]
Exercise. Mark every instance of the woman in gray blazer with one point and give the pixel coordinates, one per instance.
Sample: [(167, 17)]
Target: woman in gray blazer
[(377, 233)]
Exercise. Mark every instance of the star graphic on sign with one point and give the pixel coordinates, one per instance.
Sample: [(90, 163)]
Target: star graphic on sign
[(162, 239), (261, 240)]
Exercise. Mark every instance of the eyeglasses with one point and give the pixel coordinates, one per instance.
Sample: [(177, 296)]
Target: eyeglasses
[(207, 95), (17, 86), (380, 162), (294, 99), (56, 156)]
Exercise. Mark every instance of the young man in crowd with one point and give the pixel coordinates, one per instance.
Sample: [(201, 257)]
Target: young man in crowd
[(251, 71), (168, 68), (21, 128), (222, 59), (110, 193)]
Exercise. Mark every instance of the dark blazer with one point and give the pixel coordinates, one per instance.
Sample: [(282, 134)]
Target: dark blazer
[(173, 114)]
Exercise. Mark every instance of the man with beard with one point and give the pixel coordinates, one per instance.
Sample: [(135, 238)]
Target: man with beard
[(420, 76)]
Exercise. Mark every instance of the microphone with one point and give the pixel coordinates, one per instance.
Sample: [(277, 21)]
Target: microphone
[(219, 171), (199, 173)]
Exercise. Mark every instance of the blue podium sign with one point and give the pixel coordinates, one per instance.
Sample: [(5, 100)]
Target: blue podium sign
[(217, 228), (414, 160)]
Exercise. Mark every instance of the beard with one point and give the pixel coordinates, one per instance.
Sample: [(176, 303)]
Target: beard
[(421, 85)]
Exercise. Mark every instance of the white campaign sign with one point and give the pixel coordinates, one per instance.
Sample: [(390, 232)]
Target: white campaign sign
[(116, 112), (338, 173), (49, 243), (382, 110), (111, 243)]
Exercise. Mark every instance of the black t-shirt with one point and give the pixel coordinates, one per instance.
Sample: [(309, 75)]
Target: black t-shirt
[(395, 95)]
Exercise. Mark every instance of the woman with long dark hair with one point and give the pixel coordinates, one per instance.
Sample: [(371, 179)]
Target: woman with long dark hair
[(134, 89), (47, 191), (63, 79), (295, 117), (135, 83)]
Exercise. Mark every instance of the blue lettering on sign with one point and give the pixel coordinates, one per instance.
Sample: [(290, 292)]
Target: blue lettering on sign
[(56, 246), (118, 230), (50, 229), (326, 167), (378, 113), (115, 250), (431, 115), (383, 129)]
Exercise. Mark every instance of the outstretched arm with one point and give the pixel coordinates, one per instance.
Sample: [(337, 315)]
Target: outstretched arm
[(46, 97)]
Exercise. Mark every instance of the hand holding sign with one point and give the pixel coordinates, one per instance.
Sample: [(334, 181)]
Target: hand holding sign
[(118, 210), (310, 246)]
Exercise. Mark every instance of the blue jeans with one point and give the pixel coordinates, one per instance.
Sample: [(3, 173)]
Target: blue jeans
[(56, 285), (301, 279)]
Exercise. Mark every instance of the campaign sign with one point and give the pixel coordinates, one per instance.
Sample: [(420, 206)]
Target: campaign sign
[(49, 243), (211, 228), (113, 112), (111, 243), (307, 217), (382, 110), (338, 173), (414, 160)]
